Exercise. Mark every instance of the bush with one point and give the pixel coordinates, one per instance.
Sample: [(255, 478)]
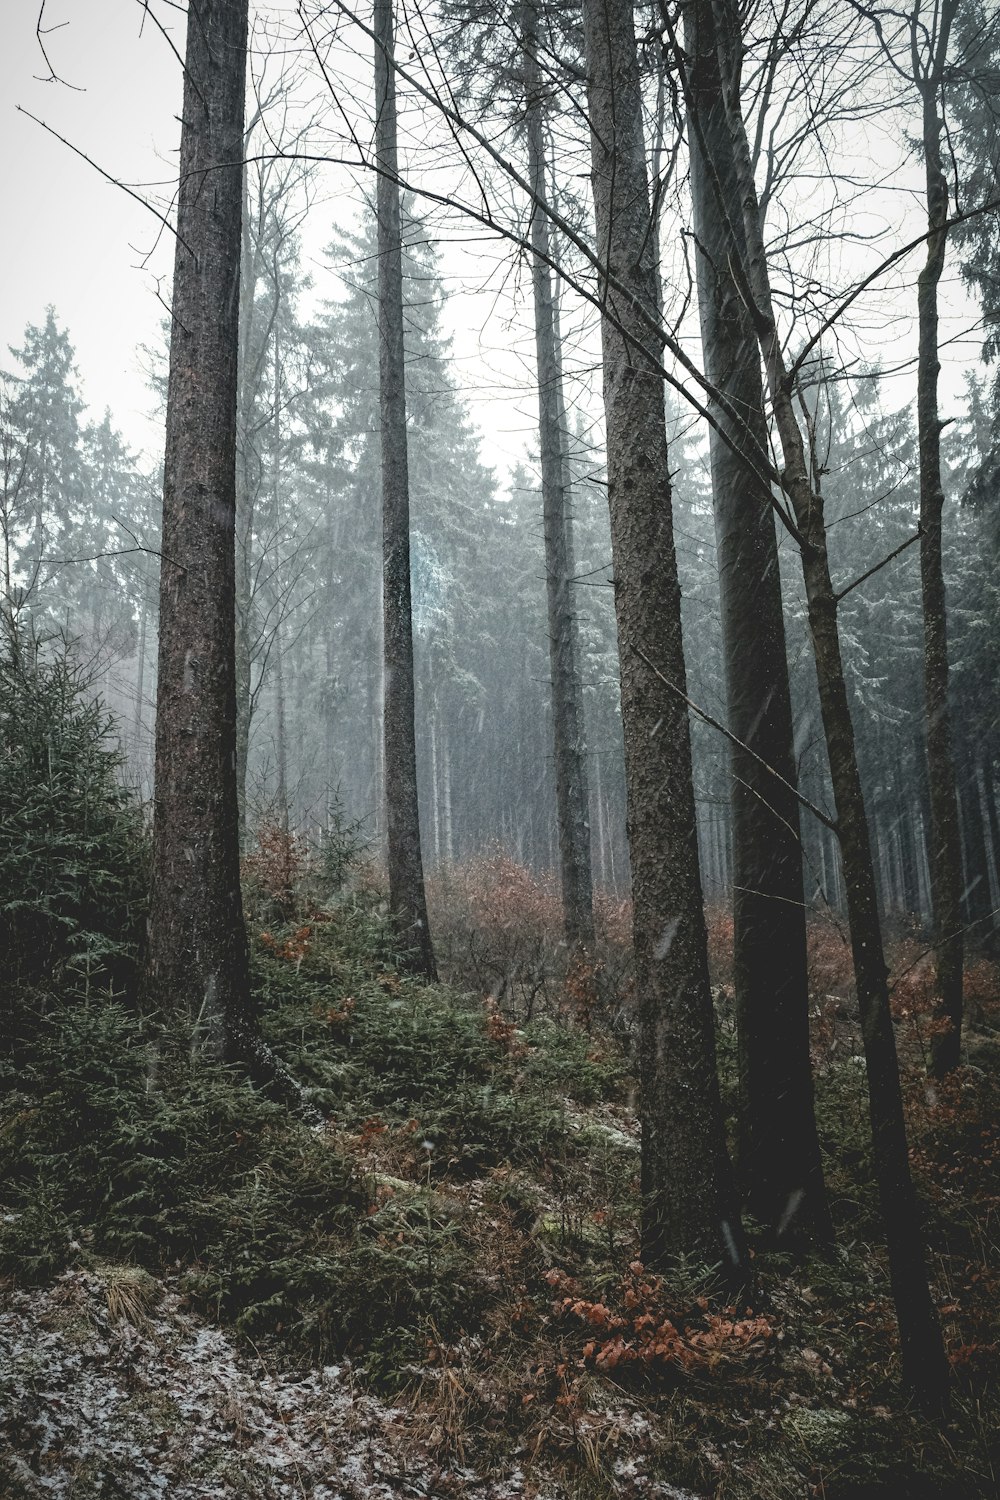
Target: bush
[(498, 931)]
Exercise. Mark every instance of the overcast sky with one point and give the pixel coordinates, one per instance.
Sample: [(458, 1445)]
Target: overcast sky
[(72, 239), (102, 260)]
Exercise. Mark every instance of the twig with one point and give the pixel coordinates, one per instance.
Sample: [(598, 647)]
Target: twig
[(114, 181)]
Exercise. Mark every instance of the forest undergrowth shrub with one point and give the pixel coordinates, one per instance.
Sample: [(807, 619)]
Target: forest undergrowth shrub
[(642, 1327), (498, 931), (286, 873), (116, 1147)]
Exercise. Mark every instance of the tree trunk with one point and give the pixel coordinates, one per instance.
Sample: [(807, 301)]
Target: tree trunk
[(244, 506), (779, 1147), (909, 864), (197, 950), (945, 854), (975, 895), (140, 674), (407, 898), (689, 1199), (572, 801), (993, 827), (280, 733), (922, 1350)]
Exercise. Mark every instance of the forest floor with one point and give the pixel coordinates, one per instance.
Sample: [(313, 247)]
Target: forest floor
[(438, 1292)]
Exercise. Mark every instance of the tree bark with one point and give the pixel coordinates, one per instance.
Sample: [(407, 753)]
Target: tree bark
[(993, 828), (921, 1347), (572, 797), (244, 504), (945, 854), (197, 950), (407, 898), (779, 1148), (975, 895), (689, 1200)]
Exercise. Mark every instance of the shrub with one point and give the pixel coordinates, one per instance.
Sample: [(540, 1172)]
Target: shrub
[(498, 931)]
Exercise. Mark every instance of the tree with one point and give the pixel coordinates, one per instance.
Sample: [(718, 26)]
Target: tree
[(197, 949), (567, 709), (276, 200), (922, 1350), (689, 1203), (407, 897), (929, 42), (925, 39), (44, 469), (71, 837), (779, 1155)]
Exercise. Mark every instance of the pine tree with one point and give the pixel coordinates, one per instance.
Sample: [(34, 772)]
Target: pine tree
[(47, 465)]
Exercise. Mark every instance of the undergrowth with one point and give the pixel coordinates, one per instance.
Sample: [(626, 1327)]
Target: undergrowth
[(464, 1224)]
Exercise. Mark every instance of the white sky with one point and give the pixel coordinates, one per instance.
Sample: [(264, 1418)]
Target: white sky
[(73, 240), (82, 245), (100, 258)]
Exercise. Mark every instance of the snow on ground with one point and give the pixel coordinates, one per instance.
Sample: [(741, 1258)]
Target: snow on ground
[(111, 1390)]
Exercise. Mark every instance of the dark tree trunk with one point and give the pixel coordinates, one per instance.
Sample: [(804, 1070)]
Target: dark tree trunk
[(921, 1346), (975, 894), (689, 1200), (945, 854), (779, 1156), (407, 898), (197, 951), (245, 485), (993, 827), (906, 814), (572, 799)]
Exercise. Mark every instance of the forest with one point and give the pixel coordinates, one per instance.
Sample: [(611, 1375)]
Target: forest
[(499, 837)]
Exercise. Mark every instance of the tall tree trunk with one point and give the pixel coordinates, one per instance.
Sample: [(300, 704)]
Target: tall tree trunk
[(921, 1347), (906, 815), (197, 950), (140, 672), (975, 894), (332, 793), (993, 827), (779, 1147), (572, 803), (689, 1199), (244, 504), (281, 732), (945, 848), (407, 898)]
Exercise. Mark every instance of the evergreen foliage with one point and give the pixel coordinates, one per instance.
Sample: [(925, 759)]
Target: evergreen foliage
[(72, 847)]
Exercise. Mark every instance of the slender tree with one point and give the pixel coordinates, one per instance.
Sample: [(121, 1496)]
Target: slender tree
[(779, 1148), (928, 65), (689, 1200), (922, 1350), (572, 800), (407, 898)]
